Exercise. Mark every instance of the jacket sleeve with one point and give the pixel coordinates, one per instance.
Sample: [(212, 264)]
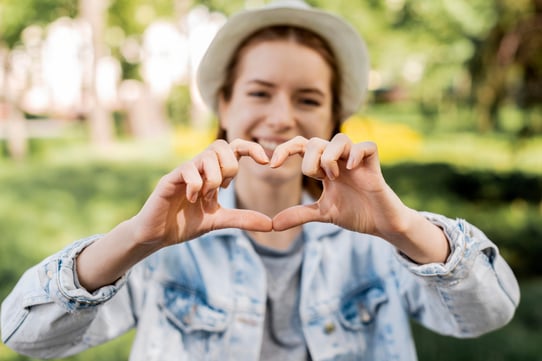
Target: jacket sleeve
[(48, 314), (473, 293)]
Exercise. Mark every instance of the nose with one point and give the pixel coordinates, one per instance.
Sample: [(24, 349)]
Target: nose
[(281, 113)]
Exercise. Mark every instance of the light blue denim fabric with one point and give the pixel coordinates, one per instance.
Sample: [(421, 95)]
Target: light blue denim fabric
[(205, 299)]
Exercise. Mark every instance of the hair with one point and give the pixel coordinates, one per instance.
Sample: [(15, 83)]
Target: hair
[(302, 37)]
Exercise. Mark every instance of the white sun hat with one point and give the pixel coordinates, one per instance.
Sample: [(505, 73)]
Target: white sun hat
[(345, 42)]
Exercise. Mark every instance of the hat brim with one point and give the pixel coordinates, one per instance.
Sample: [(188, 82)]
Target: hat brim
[(345, 42)]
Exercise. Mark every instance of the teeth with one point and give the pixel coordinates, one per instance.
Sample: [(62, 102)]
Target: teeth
[(268, 144)]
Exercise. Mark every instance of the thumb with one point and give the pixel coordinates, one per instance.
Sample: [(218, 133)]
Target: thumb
[(243, 219), (296, 216)]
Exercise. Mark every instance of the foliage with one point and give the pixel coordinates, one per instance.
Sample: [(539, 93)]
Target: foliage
[(133, 17), (439, 51), (506, 206), (15, 16), (506, 65)]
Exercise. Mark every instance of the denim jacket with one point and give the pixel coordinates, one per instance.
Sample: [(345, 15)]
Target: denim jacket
[(205, 299)]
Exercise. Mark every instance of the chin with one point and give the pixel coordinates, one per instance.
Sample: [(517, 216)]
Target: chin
[(289, 171)]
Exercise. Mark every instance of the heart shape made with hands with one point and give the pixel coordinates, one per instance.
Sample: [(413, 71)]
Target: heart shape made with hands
[(253, 220), (349, 173), (323, 160)]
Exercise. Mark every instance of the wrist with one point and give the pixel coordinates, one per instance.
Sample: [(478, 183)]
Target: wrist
[(109, 258), (419, 239)]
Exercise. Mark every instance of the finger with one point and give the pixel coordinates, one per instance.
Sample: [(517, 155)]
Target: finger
[(243, 219), (296, 216), (242, 148), (360, 152), (210, 170), (338, 148), (311, 160), (188, 174), (227, 159), (293, 146)]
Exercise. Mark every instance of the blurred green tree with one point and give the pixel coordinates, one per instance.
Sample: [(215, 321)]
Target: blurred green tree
[(479, 53), (507, 65), (15, 16)]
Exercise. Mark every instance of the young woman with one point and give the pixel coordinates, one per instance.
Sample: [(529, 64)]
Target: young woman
[(281, 240)]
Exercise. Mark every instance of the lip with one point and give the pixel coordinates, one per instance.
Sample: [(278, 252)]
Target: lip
[(268, 143)]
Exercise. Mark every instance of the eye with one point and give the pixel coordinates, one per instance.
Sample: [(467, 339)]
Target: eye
[(310, 102), (258, 94)]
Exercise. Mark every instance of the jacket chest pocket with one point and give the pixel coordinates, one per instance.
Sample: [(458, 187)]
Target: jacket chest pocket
[(364, 328), (359, 309), (200, 324)]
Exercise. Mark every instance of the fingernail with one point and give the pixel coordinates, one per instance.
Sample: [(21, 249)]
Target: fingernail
[(273, 161)]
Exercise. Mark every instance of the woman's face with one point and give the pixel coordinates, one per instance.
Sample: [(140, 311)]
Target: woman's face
[(282, 90)]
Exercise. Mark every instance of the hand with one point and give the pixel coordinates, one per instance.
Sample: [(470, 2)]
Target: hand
[(355, 195), (184, 204)]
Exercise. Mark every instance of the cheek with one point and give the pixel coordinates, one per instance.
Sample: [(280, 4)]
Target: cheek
[(237, 125), (319, 128), (229, 118)]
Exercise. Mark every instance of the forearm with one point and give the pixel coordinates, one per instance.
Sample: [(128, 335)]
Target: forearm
[(109, 258), (410, 231), (420, 240)]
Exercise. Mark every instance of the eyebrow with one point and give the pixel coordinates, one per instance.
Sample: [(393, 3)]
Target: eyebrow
[(315, 91), (261, 82)]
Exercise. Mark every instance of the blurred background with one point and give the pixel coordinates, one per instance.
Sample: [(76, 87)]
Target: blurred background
[(97, 102)]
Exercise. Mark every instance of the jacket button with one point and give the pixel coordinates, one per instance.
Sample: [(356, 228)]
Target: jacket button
[(329, 328), (365, 315)]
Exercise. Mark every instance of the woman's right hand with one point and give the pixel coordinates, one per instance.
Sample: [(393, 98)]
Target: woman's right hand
[(184, 204)]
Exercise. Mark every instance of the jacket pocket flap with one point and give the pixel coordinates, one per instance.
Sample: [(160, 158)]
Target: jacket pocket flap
[(189, 311), (359, 308)]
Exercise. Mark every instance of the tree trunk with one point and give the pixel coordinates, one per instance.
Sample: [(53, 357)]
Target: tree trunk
[(99, 118)]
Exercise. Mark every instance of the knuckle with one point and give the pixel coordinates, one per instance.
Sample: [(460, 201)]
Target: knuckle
[(309, 168), (213, 181), (237, 142), (300, 139), (229, 170), (316, 141), (341, 137), (326, 160), (218, 144)]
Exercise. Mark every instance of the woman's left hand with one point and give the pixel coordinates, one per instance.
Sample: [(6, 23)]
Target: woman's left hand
[(355, 195)]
